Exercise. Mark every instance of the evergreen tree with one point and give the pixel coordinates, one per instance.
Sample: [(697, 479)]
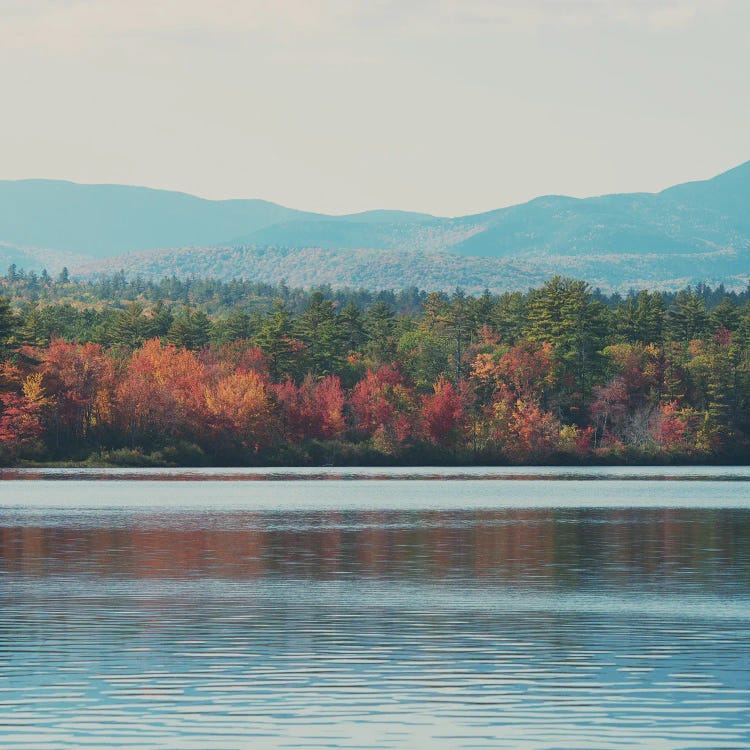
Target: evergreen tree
[(131, 327), (32, 331), (352, 327), (563, 313), (380, 328), (32, 283), (161, 320), (236, 326), (318, 328), (200, 329), (8, 323), (276, 340), (446, 327), (509, 316), (650, 317), (480, 310), (190, 329), (725, 315), (457, 325), (426, 356), (641, 318), (687, 319)]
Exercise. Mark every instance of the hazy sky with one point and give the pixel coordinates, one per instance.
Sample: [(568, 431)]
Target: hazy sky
[(445, 106)]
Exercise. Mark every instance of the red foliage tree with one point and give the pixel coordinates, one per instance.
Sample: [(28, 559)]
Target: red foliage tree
[(536, 432), (314, 409), (442, 414), (331, 400), (20, 421), (382, 407)]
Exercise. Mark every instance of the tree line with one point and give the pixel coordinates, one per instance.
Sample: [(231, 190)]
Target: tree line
[(561, 373)]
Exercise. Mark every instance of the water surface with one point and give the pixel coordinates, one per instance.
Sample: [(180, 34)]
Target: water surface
[(529, 608)]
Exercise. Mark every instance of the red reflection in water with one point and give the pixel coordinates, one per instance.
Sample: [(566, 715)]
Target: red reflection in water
[(539, 547)]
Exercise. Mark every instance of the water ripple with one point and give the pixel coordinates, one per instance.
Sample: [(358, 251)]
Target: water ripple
[(531, 629)]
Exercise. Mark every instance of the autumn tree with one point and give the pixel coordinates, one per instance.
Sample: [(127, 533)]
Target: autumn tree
[(314, 409), (21, 415), (382, 406), (161, 394), (238, 410), (525, 371), (442, 414), (78, 379)]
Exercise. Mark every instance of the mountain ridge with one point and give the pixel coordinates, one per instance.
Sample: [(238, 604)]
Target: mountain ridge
[(101, 226)]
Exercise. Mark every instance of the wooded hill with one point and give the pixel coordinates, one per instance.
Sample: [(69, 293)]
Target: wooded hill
[(694, 232)]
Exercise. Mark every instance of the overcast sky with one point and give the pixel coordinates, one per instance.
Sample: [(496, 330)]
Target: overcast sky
[(444, 106)]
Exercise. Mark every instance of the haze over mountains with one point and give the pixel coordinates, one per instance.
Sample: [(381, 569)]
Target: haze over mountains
[(697, 231)]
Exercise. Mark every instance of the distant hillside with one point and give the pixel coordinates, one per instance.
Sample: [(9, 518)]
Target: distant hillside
[(697, 231), (397, 269), (105, 220), (694, 217)]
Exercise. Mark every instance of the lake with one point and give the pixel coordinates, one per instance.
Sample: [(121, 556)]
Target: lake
[(523, 608)]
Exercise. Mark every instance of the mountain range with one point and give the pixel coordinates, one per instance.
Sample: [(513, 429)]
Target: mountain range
[(697, 231)]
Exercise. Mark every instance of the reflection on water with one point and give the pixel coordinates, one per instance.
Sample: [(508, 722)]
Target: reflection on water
[(435, 627)]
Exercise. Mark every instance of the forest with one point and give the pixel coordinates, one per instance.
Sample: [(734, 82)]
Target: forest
[(122, 371)]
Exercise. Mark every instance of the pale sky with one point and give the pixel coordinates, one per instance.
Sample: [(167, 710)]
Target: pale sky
[(444, 106)]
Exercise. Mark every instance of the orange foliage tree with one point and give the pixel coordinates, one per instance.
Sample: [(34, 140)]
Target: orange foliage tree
[(78, 380), (161, 393), (238, 409)]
